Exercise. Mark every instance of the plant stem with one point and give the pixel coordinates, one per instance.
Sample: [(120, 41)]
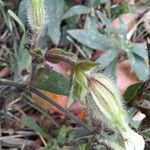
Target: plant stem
[(64, 110), (47, 99)]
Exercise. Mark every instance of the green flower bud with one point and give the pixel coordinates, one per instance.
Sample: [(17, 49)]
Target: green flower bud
[(104, 98), (107, 98), (36, 15)]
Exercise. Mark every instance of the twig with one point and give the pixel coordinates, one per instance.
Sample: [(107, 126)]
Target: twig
[(43, 140), (64, 110), (13, 102), (12, 136), (13, 116)]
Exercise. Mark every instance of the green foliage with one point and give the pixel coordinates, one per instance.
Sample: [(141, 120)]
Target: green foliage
[(20, 58), (54, 16), (119, 9), (85, 65), (59, 141), (58, 51), (27, 121), (91, 38), (50, 80), (76, 10), (131, 91), (146, 133), (53, 143), (14, 16), (138, 65), (90, 35)]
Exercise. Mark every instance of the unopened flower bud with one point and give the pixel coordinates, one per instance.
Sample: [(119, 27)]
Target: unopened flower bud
[(36, 15), (107, 100)]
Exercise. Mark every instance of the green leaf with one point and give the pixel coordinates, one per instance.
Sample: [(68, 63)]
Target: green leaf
[(139, 50), (107, 58), (81, 50), (70, 99), (103, 18), (22, 11), (15, 17), (52, 81), (76, 10), (80, 88), (54, 17), (79, 132), (24, 57), (94, 3), (85, 65), (119, 9), (61, 136), (110, 70), (27, 121), (91, 38), (58, 51), (2, 3), (138, 65), (131, 113), (90, 23), (131, 90), (146, 133)]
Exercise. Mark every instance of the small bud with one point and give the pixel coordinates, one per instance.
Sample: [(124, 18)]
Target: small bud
[(107, 100), (36, 15)]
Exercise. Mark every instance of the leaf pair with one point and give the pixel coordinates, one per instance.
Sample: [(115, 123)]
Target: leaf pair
[(50, 80)]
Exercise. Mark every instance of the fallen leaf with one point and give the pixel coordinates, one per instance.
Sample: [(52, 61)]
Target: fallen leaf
[(60, 99)]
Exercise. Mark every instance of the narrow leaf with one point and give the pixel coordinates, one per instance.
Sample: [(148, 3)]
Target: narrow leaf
[(146, 133), (27, 121), (58, 51), (76, 10), (15, 17), (91, 38), (22, 11), (54, 18), (90, 22), (52, 81), (85, 65), (103, 18), (131, 90), (139, 50), (107, 58), (138, 65)]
